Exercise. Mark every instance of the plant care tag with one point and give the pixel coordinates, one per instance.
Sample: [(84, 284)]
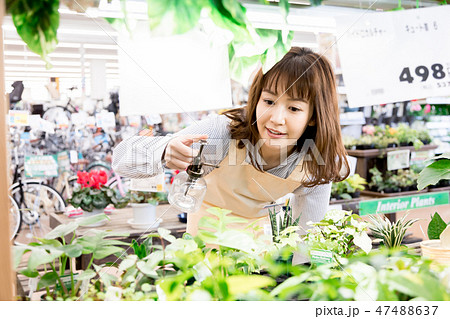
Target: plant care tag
[(321, 256), (398, 159), (418, 158), (105, 119)]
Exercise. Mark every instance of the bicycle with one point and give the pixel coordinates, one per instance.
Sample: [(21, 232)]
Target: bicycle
[(35, 201)]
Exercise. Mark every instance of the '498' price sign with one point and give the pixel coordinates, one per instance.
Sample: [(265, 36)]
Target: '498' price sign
[(422, 73), (395, 56)]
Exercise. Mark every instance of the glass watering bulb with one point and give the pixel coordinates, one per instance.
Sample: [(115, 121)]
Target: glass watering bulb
[(189, 187)]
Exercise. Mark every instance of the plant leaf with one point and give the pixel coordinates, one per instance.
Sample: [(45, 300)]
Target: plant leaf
[(433, 173), (47, 280), (436, 227), (241, 284), (62, 230)]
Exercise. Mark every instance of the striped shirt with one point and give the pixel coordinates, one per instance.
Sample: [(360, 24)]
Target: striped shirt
[(140, 157)]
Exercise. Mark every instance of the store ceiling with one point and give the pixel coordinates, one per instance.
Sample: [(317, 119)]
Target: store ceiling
[(94, 36)]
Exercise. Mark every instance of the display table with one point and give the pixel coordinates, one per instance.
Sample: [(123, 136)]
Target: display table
[(118, 223)]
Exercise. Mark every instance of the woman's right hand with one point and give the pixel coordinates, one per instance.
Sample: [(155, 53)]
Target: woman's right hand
[(179, 153)]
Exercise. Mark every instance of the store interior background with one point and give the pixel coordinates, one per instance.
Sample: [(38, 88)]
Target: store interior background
[(87, 57)]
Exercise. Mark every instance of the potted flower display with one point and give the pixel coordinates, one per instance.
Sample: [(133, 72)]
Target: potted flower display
[(144, 208), (92, 195)]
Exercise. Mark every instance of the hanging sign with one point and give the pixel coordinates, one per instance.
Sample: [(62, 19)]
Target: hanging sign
[(397, 159), (105, 120), (398, 204), (18, 118), (41, 166), (395, 56)]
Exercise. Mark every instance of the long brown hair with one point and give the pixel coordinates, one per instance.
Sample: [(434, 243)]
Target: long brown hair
[(301, 73)]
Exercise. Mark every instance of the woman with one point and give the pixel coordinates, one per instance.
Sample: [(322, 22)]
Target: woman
[(286, 140)]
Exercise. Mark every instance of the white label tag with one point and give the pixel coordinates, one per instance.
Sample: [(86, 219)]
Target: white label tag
[(134, 120), (105, 120), (397, 159), (152, 184), (381, 43), (73, 157)]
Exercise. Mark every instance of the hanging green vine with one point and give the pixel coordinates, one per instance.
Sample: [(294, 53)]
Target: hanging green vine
[(36, 23)]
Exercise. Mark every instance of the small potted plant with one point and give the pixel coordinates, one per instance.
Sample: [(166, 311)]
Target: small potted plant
[(92, 195), (376, 182), (144, 207), (355, 185)]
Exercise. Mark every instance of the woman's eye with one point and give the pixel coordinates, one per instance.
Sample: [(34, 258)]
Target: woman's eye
[(269, 102), (295, 109)]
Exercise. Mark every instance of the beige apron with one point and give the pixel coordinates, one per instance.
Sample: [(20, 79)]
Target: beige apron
[(238, 186)]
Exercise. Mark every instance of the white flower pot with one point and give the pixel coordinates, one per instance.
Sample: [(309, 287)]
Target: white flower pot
[(144, 213)]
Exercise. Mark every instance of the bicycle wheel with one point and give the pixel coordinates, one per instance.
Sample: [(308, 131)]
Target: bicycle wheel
[(125, 185), (36, 202), (68, 187), (15, 218)]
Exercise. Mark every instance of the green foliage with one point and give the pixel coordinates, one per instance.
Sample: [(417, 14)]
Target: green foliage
[(391, 234), (90, 198), (340, 232), (348, 186), (54, 253), (436, 226), (37, 23), (140, 197), (436, 171), (381, 275), (280, 222)]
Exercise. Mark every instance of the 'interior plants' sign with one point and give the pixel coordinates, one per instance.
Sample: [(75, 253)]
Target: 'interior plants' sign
[(415, 65), (398, 204), (397, 160)]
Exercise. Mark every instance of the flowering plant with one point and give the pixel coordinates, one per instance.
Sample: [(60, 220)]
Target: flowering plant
[(92, 192)]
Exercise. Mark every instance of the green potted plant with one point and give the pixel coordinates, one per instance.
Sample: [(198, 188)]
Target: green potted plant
[(355, 184), (376, 181), (57, 251), (390, 233), (144, 208)]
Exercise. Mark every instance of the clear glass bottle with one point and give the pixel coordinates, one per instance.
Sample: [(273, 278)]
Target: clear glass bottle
[(187, 193)]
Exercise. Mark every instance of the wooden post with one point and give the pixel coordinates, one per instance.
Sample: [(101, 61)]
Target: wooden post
[(6, 272)]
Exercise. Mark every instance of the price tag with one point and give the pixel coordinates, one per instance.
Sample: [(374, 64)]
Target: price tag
[(90, 121), (402, 53), (18, 118), (152, 184), (79, 119), (39, 124), (418, 158), (321, 256), (105, 120), (397, 159), (134, 120), (41, 166)]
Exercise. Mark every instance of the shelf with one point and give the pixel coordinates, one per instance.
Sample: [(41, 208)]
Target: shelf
[(396, 194), (377, 152)]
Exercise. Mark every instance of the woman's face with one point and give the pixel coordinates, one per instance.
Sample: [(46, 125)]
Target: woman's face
[(281, 121)]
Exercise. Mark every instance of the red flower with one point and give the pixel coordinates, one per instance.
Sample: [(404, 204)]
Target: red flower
[(94, 179)]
